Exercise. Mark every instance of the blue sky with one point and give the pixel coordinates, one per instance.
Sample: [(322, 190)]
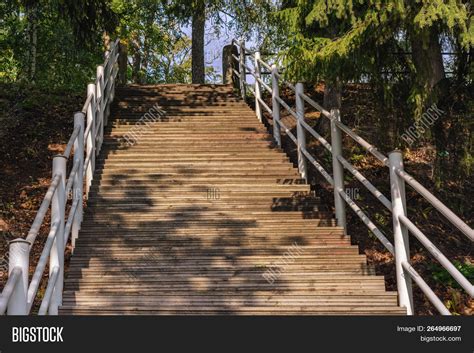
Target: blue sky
[(215, 43)]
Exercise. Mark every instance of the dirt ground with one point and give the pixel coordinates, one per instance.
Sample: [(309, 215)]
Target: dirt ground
[(35, 125)]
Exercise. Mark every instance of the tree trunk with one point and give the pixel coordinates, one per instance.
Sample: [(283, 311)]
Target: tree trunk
[(123, 63), (144, 76), (197, 36), (332, 100), (427, 58), (428, 61), (136, 67), (137, 61), (32, 32)]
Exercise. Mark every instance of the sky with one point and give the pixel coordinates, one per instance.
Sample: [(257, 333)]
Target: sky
[(215, 43)]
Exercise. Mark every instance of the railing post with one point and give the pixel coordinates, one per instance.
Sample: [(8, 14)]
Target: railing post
[(400, 232), (19, 253), (122, 63), (300, 130), (107, 95), (56, 258), (337, 169), (78, 180), (111, 92), (276, 105), (243, 76), (258, 92), (229, 65), (90, 145), (100, 121)]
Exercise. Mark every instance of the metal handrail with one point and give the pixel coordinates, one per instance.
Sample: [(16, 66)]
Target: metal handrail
[(33, 232), (41, 265), (321, 139), (372, 227), (443, 260), (18, 300), (70, 143), (7, 292), (401, 224), (45, 303), (368, 185), (428, 196)]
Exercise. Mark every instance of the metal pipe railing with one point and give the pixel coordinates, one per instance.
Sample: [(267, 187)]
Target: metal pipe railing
[(402, 226), (18, 297), (318, 137), (35, 227), (41, 265), (276, 106), (445, 211), (70, 143), (13, 278), (438, 255), (364, 181), (337, 169), (300, 133), (372, 227)]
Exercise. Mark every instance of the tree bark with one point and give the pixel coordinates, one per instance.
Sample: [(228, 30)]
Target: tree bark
[(123, 63), (427, 58), (32, 32), (137, 61), (332, 100), (428, 61), (332, 95), (197, 36)]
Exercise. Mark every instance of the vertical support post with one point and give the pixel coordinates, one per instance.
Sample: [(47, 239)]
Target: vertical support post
[(337, 169), (243, 76), (56, 258), (106, 93), (400, 232), (113, 78), (90, 144), (19, 253), (122, 63), (258, 91), (229, 65), (78, 179), (101, 98), (114, 70), (276, 105), (300, 130)]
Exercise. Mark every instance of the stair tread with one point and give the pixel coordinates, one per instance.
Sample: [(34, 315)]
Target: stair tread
[(201, 213)]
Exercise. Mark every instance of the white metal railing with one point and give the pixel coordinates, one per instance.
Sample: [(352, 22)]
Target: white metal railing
[(18, 295), (402, 225)]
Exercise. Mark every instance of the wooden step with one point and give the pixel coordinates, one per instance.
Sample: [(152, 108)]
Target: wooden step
[(155, 241)]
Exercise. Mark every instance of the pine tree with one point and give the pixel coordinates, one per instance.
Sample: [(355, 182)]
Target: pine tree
[(344, 40)]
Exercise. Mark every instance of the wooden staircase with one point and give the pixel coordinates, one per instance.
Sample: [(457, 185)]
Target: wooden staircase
[(190, 219)]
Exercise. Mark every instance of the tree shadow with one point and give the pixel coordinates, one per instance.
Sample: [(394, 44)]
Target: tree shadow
[(156, 243)]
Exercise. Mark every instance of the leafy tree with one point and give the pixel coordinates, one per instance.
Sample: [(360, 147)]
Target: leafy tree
[(42, 44), (343, 40), (242, 15), (158, 48)]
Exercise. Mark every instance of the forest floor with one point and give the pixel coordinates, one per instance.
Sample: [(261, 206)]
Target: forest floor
[(36, 124), (359, 112)]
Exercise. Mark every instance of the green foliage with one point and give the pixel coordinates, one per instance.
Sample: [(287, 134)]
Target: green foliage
[(443, 277), (157, 47), (349, 39), (59, 61)]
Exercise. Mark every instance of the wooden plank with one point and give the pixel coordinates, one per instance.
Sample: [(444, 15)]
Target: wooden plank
[(152, 242)]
